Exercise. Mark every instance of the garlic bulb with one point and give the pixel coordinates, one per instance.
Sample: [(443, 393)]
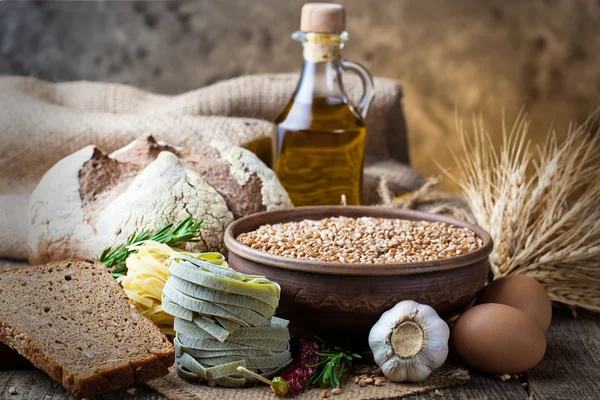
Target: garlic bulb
[(409, 341)]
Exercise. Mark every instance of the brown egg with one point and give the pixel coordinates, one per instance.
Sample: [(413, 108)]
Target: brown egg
[(498, 339), (521, 292)]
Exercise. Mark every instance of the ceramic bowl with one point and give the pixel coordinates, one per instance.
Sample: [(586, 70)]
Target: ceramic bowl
[(334, 299)]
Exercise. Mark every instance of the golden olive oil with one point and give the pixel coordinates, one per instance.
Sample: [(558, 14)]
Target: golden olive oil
[(321, 150)]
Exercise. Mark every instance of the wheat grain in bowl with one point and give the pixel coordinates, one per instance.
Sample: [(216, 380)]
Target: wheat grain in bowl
[(365, 240)]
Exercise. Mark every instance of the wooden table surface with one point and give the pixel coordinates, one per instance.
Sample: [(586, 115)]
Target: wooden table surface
[(570, 370)]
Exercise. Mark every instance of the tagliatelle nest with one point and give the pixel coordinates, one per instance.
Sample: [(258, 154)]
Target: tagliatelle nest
[(542, 207), (147, 273)]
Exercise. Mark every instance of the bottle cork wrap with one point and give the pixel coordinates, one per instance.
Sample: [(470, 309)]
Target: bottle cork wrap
[(322, 47)]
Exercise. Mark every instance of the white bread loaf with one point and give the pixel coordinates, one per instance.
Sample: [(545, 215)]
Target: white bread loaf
[(89, 200)]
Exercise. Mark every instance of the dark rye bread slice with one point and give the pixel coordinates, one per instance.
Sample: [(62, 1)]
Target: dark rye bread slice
[(73, 320)]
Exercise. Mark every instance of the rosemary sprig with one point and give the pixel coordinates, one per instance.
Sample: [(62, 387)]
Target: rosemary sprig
[(173, 236), (330, 367)]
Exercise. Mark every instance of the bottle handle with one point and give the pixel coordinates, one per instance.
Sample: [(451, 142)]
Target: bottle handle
[(367, 83)]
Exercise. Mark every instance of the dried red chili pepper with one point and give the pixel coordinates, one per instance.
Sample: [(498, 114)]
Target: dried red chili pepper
[(298, 374), (293, 379)]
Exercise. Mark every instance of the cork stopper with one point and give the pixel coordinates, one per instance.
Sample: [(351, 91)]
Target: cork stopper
[(323, 18)]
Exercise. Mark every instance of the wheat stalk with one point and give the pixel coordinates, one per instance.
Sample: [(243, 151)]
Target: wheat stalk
[(541, 206)]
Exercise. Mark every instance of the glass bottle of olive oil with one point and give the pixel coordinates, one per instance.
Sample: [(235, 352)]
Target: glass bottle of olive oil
[(319, 149)]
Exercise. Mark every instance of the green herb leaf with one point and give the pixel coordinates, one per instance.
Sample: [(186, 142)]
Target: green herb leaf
[(185, 231), (330, 367)]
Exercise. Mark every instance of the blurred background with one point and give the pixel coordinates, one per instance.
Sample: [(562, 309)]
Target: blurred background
[(452, 57)]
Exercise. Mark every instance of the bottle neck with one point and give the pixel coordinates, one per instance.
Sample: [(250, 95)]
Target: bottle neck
[(322, 68), (320, 80)]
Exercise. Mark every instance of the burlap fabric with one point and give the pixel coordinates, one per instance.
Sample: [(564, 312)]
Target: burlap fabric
[(427, 199), (175, 388), (42, 122)]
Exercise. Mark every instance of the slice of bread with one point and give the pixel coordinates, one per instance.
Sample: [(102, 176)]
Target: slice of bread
[(73, 320)]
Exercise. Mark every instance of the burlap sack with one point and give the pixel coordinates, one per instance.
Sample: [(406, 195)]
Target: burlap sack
[(42, 122), (427, 199), (175, 388)]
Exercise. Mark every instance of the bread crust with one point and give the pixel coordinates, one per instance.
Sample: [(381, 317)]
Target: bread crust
[(140, 370), (89, 200)]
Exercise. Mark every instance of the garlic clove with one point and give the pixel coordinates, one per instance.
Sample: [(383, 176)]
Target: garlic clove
[(395, 371), (437, 329), (418, 371)]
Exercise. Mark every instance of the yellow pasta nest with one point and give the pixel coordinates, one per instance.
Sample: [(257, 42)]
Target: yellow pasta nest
[(147, 273)]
